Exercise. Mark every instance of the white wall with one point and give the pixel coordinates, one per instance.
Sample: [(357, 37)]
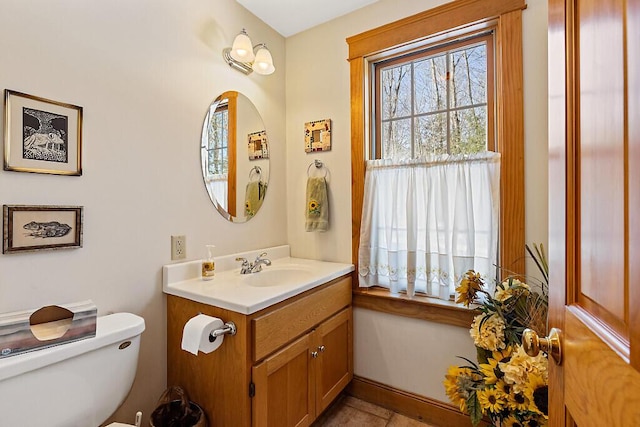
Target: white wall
[(390, 349), (145, 72)]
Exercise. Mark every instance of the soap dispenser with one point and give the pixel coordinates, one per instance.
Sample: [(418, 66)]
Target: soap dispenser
[(208, 264)]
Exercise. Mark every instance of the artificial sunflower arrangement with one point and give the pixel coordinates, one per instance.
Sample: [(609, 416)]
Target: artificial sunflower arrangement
[(506, 385)]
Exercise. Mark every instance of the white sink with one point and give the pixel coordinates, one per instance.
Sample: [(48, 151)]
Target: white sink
[(249, 293), (278, 276)]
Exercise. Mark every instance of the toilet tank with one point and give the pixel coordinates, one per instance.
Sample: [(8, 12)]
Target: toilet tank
[(79, 384)]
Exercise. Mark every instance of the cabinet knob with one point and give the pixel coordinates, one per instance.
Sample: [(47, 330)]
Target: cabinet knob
[(321, 349), (314, 354)]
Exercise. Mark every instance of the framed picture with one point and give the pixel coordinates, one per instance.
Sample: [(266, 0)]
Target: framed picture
[(34, 228), (258, 147), (317, 136), (41, 135)]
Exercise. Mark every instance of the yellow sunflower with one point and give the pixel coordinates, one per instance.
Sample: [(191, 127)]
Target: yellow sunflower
[(534, 421), (519, 402), (490, 400), (314, 206), (503, 389), (537, 383), (511, 421), (491, 371), (469, 286), (457, 383), (501, 355), (534, 381), (451, 379)]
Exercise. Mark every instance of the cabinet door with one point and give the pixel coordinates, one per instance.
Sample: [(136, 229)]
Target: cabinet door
[(283, 387), (334, 370)]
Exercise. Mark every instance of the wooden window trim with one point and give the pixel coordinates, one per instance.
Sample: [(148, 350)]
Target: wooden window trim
[(457, 17), (232, 107)]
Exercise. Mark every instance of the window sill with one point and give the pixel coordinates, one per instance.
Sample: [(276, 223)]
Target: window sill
[(417, 307)]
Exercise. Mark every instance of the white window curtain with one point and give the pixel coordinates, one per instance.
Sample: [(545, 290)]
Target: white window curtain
[(426, 222), (218, 185)]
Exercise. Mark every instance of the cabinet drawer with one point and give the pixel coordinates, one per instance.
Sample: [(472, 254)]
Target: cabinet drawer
[(276, 328)]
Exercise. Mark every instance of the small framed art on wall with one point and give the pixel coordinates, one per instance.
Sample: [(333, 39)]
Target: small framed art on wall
[(41, 135), (34, 228)]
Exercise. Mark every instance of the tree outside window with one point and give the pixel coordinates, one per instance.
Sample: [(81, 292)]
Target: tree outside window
[(437, 101), (218, 141)]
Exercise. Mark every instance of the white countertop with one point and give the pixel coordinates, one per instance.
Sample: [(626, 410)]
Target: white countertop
[(249, 293)]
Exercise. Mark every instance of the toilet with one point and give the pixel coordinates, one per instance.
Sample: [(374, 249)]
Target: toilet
[(79, 384)]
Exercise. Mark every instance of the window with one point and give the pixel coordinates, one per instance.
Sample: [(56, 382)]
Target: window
[(428, 217), (454, 21), (438, 101), (215, 146), (218, 140)]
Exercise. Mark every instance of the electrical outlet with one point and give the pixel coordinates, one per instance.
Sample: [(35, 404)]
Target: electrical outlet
[(178, 247)]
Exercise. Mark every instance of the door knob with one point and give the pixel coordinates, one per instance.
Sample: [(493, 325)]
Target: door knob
[(551, 345), (321, 349), (314, 354)]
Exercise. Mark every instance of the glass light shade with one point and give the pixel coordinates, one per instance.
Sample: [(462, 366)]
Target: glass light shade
[(242, 49), (263, 63)]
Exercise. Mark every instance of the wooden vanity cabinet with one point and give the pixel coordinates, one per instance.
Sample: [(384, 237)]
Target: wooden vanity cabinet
[(284, 366), (284, 387), (334, 369), (294, 385)]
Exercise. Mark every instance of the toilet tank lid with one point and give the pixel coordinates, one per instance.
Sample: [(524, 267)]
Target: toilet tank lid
[(110, 329)]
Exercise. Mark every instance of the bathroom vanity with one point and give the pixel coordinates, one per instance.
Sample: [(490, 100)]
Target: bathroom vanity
[(292, 353)]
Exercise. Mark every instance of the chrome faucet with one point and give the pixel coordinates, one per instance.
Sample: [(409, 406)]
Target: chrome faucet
[(253, 267), (245, 268), (257, 264)]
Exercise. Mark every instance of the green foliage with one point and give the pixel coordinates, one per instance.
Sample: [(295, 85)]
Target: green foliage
[(482, 355), (474, 408)]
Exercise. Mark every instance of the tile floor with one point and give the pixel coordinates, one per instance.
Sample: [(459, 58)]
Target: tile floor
[(349, 411)]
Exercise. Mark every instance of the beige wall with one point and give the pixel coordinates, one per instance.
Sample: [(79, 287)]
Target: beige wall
[(145, 72), (408, 354)]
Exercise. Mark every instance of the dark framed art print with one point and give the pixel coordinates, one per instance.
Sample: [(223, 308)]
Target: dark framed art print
[(41, 135), (34, 228)]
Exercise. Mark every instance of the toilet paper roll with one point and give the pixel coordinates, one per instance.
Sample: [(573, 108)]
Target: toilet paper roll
[(195, 335)]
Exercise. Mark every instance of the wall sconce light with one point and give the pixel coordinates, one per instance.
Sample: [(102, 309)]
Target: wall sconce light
[(245, 57)]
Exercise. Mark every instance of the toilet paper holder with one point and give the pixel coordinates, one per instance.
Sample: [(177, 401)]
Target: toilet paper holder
[(228, 328)]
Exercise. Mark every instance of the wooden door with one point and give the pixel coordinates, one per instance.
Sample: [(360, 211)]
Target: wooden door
[(284, 387), (594, 211), (334, 358)]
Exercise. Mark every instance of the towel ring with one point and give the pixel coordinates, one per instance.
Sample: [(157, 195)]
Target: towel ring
[(257, 170), (319, 165)]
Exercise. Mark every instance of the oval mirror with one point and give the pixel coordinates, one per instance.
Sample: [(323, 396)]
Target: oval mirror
[(235, 156)]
